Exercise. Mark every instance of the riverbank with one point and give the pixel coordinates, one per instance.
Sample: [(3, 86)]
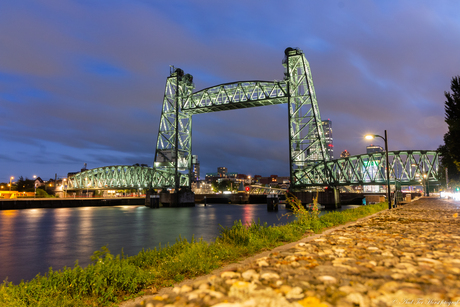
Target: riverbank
[(402, 256), (110, 279)]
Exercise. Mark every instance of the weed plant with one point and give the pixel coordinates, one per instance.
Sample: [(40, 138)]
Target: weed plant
[(111, 279)]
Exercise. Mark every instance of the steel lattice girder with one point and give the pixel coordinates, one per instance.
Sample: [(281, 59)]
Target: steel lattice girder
[(307, 143), (120, 177), (406, 167), (306, 137), (236, 95), (174, 143)]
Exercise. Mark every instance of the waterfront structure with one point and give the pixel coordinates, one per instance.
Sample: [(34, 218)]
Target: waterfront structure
[(309, 159)]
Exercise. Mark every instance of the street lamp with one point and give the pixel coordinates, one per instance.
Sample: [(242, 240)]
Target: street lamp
[(35, 186), (11, 178), (426, 185), (370, 137), (65, 187)]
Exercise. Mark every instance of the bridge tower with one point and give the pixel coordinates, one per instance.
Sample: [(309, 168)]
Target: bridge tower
[(173, 153), (307, 143)]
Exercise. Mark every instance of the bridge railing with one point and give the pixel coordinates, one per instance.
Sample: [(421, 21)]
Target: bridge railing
[(407, 167), (120, 177)]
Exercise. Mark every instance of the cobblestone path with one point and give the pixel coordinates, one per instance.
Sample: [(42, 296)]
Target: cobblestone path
[(398, 257)]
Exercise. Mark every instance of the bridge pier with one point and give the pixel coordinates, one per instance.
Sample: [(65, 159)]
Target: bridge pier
[(182, 198), (152, 200), (329, 198), (272, 202)]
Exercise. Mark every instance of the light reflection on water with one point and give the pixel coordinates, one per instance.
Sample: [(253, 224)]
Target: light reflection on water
[(32, 240)]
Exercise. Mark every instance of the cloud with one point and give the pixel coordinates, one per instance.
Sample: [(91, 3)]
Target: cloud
[(86, 80)]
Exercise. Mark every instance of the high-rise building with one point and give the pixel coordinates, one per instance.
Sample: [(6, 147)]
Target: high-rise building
[(372, 168), (327, 128), (345, 154), (222, 171), (373, 148), (196, 168)]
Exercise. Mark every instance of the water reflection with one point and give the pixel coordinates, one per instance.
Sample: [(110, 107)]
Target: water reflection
[(32, 240)]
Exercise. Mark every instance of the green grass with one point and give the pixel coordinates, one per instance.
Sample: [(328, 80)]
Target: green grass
[(111, 279)]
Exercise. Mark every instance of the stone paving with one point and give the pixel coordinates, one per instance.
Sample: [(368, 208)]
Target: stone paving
[(404, 256)]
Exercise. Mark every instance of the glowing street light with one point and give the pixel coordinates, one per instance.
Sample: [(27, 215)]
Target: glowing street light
[(372, 136), (11, 178)]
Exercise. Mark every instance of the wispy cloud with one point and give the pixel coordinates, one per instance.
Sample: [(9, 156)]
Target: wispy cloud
[(85, 80)]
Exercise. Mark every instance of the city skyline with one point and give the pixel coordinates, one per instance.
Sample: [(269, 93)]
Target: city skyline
[(84, 82)]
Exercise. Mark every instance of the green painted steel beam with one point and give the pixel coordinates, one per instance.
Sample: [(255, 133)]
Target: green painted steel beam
[(308, 159), (236, 95), (406, 167)]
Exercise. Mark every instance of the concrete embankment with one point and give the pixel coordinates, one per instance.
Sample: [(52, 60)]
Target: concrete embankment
[(404, 256), (31, 203)]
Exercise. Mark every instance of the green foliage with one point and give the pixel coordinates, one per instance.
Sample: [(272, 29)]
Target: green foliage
[(43, 194), (224, 185), (307, 218), (450, 151), (110, 279)]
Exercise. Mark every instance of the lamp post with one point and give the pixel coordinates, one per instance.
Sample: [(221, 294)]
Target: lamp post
[(65, 187), (426, 185), (11, 178), (370, 137), (35, 186)]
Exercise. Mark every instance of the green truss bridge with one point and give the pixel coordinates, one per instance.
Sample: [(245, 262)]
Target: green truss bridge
[(309, 162)]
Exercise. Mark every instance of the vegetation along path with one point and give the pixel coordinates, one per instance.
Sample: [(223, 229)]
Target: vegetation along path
[(404, 256)]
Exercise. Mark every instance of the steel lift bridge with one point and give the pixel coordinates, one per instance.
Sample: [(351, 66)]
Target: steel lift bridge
[(309, 163)]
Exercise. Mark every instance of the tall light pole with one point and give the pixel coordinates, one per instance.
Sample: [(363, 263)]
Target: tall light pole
[(11, 178), (35, 186), (370, 137), (426, 186), (65, 187)]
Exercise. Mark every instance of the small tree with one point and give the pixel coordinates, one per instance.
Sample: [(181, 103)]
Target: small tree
[(450, 151)]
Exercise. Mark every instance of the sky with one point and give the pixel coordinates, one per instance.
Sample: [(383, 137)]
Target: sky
[(83, 81)]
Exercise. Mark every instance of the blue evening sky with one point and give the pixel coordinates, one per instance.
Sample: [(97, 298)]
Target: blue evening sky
[(83, 81)]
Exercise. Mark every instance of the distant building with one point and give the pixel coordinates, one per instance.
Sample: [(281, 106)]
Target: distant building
[(195, 167), (344, 154), (374, 148), (327, 128), (316, 149), (223, 171), (232, 175), (39, 182), (372, 168), (212, 176)]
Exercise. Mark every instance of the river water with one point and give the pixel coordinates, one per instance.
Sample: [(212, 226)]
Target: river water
[(33, 240)]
